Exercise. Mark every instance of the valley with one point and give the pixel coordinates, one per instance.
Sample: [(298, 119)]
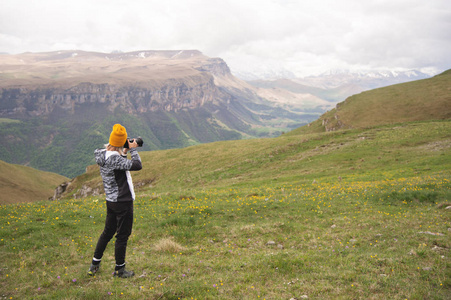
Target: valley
[(353, 205), (64, 103)]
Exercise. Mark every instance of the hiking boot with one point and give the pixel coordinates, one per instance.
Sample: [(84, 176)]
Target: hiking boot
[(93, 269), (122, 273)]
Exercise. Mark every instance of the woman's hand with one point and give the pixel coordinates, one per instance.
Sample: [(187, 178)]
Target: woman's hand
[(131, 145)]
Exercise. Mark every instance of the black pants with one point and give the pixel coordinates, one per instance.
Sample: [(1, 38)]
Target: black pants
[(119, 219)]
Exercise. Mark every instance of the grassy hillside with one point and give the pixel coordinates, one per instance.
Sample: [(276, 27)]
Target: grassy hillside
[(405, 150), (356, 214), (24, 184), (426, 99)]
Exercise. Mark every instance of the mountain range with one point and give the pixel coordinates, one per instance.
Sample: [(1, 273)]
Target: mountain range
[(422, 100), (56, 107), (336, 86)]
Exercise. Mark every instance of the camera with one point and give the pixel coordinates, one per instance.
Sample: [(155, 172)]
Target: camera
[(138, 140)]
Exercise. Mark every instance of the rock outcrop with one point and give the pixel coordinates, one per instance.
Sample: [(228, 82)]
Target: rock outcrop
[(59, 191)]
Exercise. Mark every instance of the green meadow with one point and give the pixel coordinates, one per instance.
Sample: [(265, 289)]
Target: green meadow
[(353, 214)]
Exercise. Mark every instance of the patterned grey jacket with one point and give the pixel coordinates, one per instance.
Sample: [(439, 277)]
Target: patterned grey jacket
[(115, 170)]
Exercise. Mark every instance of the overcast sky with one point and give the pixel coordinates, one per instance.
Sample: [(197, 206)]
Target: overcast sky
[(305, 36)]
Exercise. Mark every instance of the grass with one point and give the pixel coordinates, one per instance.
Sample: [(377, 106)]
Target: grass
[(402, 150), (348, 240), (34, 184), (358, 214), (6, 120)]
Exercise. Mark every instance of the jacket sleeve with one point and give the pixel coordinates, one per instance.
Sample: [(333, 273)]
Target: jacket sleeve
[(122, 163), (136, 160)]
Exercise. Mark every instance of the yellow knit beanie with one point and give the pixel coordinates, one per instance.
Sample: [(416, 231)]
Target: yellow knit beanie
[(118, 136)]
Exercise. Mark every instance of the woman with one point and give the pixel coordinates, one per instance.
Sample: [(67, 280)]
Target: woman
[(115, 171)]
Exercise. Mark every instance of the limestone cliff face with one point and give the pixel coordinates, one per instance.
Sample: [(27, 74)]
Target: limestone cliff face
[(135, 82), (174, 95), (67, 101)]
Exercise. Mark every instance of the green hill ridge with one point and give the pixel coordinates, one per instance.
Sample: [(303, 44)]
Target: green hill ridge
[(24, 184), (426, 99), (405, 150)]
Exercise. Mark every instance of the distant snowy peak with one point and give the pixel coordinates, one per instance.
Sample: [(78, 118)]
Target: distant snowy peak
[(373, 74), (364, 79), (269, 73)]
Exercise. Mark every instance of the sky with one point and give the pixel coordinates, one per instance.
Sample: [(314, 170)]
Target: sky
[(305, 37)]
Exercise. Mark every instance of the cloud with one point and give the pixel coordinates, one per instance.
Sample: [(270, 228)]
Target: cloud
[(303, 36)]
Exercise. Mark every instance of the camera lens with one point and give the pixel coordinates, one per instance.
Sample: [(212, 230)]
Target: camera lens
[(138, 140)]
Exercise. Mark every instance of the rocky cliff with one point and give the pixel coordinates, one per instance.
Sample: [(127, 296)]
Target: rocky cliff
[(174, 95), (56, 107), (136, 82)]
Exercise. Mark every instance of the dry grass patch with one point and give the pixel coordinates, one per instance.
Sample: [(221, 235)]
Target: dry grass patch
[(248, 228), (168, 245)]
